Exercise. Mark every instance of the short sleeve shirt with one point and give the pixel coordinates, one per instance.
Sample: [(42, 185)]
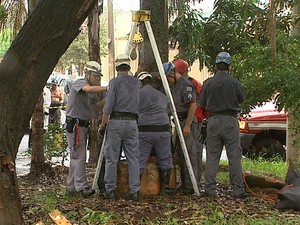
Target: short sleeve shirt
[(153, 107), (78, 105), (122, 95), (221, 93), (183, 93)]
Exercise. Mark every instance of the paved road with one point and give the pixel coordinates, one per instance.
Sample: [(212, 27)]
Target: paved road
[(23, 161)]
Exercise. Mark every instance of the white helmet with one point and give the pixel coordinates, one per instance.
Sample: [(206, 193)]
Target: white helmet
[(93, 66), (143, 75), (122, 59)]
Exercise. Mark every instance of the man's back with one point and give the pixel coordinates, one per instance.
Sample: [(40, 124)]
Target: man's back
[(153, 107), (119, 114), (222, 93), (123, 95)]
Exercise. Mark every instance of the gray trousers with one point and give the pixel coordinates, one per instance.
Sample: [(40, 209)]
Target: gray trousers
[(194, 149), (223, 131), (199, 152), (77, 179), (161, 143), (122, 133)]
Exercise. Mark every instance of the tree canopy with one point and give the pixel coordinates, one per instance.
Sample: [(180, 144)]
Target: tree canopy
[(242, 29)]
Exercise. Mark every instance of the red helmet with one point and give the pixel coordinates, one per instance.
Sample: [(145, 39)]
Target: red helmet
[(181, 65)]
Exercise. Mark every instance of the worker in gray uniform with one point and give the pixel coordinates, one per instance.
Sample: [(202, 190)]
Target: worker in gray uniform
[(184, 96), (120, 114), (154, 130), (78, 115), (221, 96), (183, 67)]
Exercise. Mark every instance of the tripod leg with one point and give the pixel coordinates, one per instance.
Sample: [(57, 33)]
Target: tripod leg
[(173, 109), (99, 164)]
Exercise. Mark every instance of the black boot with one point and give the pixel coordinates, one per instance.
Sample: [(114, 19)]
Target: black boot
[(132, 196), (100, 182), (164, 182)]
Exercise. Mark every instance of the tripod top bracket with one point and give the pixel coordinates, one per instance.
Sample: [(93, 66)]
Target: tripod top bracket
[(141, 16)]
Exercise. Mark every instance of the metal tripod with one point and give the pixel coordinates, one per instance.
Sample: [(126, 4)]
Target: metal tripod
[(144, 16)]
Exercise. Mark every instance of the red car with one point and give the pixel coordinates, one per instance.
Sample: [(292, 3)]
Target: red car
[(263, 132)]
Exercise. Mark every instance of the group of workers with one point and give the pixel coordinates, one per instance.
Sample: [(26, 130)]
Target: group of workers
[(136, 120)]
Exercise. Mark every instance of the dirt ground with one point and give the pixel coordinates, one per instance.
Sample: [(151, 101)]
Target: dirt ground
[(39, 197)]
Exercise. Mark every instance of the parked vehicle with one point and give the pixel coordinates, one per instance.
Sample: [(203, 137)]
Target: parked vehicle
[(61, 78), (263, 132)]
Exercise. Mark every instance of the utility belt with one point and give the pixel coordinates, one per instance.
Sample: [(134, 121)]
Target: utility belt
[(225, 113), (55, 106), (154, 128), (71, 122), (123, 116), (182, 116)]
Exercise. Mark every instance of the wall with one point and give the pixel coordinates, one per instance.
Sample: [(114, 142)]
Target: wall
[(122, 27)]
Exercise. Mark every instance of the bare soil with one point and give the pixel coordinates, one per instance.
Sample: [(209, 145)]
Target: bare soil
[(40, 197)]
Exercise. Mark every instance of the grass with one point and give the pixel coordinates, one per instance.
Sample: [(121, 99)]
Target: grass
[(275, 168), (93, 217)]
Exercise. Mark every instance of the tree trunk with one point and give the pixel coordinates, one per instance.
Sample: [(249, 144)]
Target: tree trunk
[(94, 146), (37, 165), (272, 28), (111, 37), (94, 55), (37, 155), (32, 5), (181, 11), (293, 137), (159, 24), (293, 121), (295, 17), (24, 70), (80, 69), (93, 33)]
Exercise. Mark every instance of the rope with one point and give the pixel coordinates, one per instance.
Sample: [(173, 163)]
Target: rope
[(55, 107), (76, 136), (271, 198)]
